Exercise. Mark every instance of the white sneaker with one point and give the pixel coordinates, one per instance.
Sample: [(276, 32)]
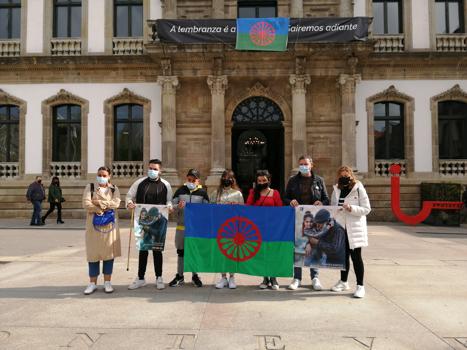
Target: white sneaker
[(340, 286), (137, 283), (222, 283), (274, 284), (294, 285), (316, 284), (108, 287), (91, 288), (360, 292), (232, 284), (265, 284), (160, 283)]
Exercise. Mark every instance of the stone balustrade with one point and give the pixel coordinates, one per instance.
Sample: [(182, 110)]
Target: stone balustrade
[(9, 170), (127, 46), (65, 169), (451, 42), (453, 167), (65, 47), (127, 169), (382, 167), (10, 48), (389, 43)]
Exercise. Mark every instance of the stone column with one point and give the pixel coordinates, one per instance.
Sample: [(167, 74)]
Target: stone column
[(346, 8), (299, 145), (218, 9), (218, 85), (347, 83), (170, 9), (169, 130), (296, 9)]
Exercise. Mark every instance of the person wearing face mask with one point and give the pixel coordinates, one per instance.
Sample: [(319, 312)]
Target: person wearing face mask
[(264, 196), (101, 201), (227, 193), (35, 195), (306, 188), (151, 189), (350, 194), (55, 199), (190, 192)]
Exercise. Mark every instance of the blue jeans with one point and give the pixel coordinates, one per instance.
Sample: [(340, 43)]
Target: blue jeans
[(297, 273), (36, 214), (107, 268)]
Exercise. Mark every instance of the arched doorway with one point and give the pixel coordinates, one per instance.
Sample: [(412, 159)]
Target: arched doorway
[(258, 141)]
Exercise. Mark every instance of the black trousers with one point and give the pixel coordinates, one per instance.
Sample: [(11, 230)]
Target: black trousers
[(357, 261), (143, 262), (54, 205)]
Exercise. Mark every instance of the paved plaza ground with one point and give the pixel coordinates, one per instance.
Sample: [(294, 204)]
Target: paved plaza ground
[(416, 282)]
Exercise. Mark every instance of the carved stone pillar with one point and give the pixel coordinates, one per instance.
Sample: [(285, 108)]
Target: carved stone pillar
[(169, 130), (218, 9), (296, 9), (299, 145), (346, 8), (218, 85), (170, 9), (347, 83)]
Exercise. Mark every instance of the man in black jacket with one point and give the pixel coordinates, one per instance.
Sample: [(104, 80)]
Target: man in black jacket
[(306, 188), (149, 190), (36, 194)]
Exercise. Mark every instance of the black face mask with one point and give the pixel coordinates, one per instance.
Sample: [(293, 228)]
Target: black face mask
[(344, 181), (261, 187), (39, 181), (227, 182)]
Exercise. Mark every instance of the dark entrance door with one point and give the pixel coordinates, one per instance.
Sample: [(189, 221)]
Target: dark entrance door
[(258, 142)]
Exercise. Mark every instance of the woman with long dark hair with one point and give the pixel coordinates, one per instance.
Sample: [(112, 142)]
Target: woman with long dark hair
[(227, 193), (264, 196), (55, 199)]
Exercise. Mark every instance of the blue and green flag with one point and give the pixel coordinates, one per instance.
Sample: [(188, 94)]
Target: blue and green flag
[(262, 34), (256, 241)]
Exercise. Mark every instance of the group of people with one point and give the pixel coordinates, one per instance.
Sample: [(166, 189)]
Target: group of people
[(305, 188), (36, 195)]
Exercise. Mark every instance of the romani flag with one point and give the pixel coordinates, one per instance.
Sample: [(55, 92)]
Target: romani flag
[(262, 34), (256, 241)]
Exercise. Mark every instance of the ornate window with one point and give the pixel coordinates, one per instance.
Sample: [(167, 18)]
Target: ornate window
[(257, 110), (389, 130), (257, 9), (9, 133), (67, 19), (10, 19), (128, 129), (387, 16), (449, 16), (128, 18), (452, 129), (66, 134)]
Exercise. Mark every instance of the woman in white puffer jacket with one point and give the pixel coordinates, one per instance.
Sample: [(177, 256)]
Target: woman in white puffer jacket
[(350, 194)]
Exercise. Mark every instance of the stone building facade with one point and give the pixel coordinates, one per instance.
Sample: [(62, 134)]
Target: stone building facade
[(211, 107)]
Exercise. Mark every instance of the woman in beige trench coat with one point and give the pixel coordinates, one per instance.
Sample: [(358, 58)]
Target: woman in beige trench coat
[(103, 242)]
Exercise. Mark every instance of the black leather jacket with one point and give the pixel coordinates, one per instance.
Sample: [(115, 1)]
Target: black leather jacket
[(318, 190)]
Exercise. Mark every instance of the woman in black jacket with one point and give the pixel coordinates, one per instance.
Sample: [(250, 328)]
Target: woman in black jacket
[(55, 199)]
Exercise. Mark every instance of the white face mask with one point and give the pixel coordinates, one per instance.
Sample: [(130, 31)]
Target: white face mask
[(153, 174), (191, 185), (102, 180), (304, 169)]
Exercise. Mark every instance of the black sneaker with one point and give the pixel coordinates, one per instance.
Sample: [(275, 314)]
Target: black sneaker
[(196, 281), (177, 281)]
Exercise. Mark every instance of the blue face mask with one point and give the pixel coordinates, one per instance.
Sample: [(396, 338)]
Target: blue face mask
[(153, 174), (191, 185), (304, 169), (102, 180)]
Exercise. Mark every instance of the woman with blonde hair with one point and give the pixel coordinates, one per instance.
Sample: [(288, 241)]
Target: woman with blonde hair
[(101, 201), (350, 194)]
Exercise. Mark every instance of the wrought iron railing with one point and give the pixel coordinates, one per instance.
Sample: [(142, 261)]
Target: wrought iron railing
[(382, 166), (65, 47), (127, 169), (9, 170), (65, 169), (127, 46), (10, 48), (389, 43), (453, 167)]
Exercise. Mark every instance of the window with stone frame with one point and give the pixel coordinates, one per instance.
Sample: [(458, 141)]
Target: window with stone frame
[(389, 130), (66, 133), (256, 9), (452, 129), (10, 19), (128, 132), (67, 19), (9, 133), (387, 17), (128, 18), (449, 16)]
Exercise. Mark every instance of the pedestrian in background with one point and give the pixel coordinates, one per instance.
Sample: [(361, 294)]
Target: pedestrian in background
[(35, 195), (55, 198)]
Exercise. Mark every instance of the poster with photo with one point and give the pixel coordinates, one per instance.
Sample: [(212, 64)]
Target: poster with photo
[(150, 226), (319, 238)]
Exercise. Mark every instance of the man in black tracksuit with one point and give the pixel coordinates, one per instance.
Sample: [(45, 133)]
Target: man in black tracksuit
[(306, 188), (149, 190)]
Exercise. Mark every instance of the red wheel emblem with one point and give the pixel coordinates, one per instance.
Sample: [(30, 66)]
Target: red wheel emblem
[(239, 239), (262, 34)]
